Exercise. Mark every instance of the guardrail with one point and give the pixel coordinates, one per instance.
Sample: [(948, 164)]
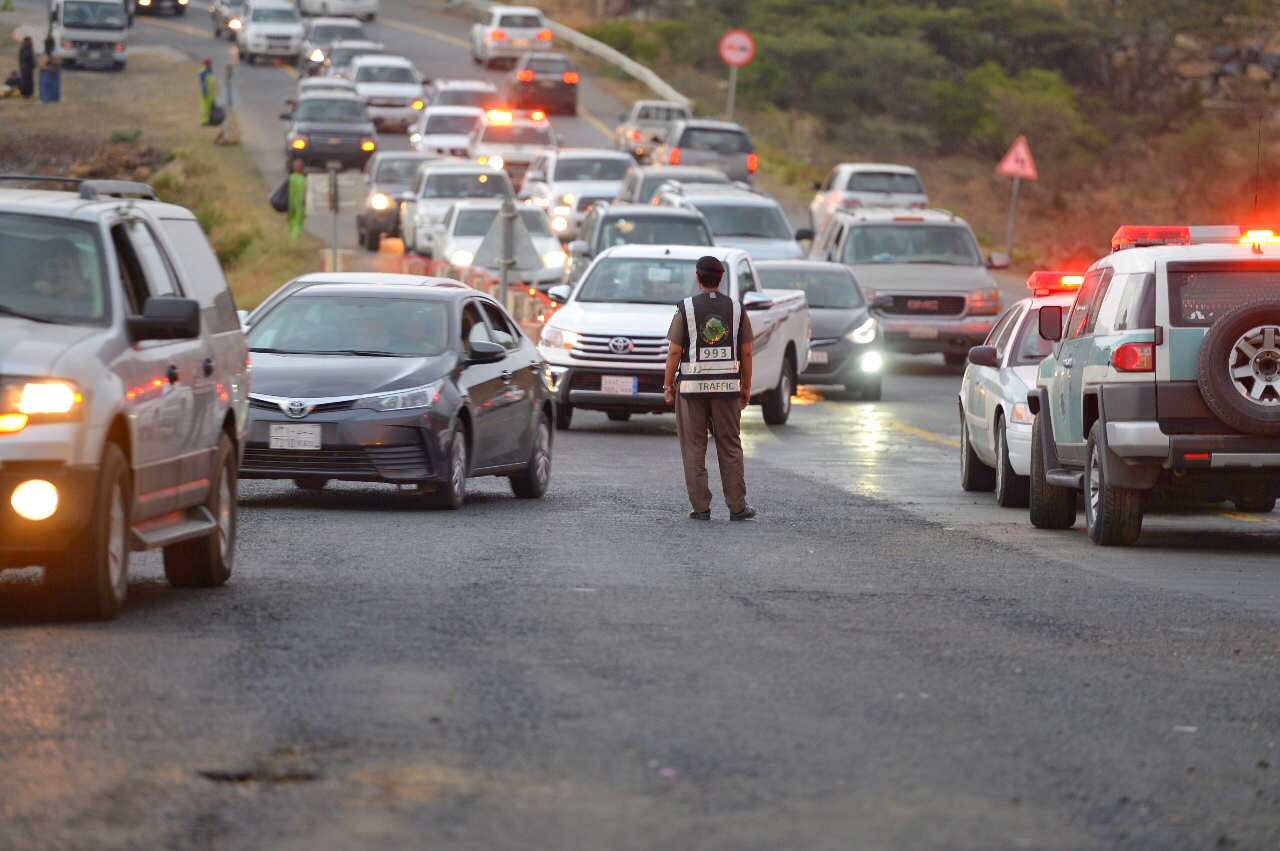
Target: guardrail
[(529, 307)]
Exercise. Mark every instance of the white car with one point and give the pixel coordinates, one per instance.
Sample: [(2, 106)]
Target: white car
[(995, 421), (342, 53), (509, 140), (607, 345), (445, 130), (850, 186), (569, 181), (739, 218), (508, 31), (89, 33), (270, 28), (458, 238), (367, 9), (481, 94), (391, 89), (438, 187)]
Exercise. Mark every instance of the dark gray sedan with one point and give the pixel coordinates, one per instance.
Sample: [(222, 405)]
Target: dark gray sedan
[(397, 383), (846, 345), (388, 176)]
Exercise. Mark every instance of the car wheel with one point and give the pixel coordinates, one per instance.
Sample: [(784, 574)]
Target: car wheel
[(91, 581), (974, 474), (1113, 515), (533, 481), (1238, 368), (564, 416), (954, 358), (777, 402), (1012, 490), (452, 492), (310, 483), (619, 416), (207, 562), (1265, 506), (1052, 507)]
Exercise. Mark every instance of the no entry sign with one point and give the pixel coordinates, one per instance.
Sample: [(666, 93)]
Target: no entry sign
[(737, 48)]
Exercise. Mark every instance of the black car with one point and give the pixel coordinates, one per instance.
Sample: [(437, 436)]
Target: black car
[(329, 126), (846, 346), (387, 176), (398, 383), (605, 226), (320, 34), (546, 81)]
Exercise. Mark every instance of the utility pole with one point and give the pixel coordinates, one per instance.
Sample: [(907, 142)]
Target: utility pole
[(508, 260), (333, 165)]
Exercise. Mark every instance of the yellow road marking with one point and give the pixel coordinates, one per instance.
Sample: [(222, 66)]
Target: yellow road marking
[(1247, 518), (924, 435), (414, 28), (597, 124)]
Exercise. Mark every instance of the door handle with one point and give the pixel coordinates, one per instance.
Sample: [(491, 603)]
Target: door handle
[(208, 367), (506, 376), (1068, 362), (172, 373)]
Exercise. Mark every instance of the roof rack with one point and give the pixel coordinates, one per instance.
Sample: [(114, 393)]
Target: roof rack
[(90, 190)]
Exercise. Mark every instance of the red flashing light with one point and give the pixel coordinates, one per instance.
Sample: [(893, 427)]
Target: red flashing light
[(537, 115), (1044, 283), (1138, 236), (497, 35), (753, 163), (1134, 357), (635, 136), (674, 157), (1195, 456), (525, 76), (570, 77), (544, 35)]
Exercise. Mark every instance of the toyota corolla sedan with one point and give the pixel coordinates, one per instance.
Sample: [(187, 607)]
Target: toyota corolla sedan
[(397, 383)]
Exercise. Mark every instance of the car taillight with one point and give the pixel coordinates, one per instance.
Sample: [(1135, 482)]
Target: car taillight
[(570, 77), (674, 156), (984, 302), (544, 35), (753, 163), (66, 44), (635, 135), (1134, 357), (496, 35), (119, 48), (525, 76)]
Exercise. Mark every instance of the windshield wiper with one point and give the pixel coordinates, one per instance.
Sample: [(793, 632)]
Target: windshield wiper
[(368, 353), (9, 311)]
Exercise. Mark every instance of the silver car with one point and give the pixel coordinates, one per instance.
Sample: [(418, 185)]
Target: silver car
[(739, 218), (648, 124), (721, 145), (568, 182)]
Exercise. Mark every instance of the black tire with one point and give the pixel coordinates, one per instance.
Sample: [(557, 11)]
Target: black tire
[(310, 483), (777, 402), (207, 562), (451, 494), (866, 389), (251, 59), (91, 581), (1012, 490), (1248, 506), (1113, 515), (564, 416), (619, 416), (532, 482), (1220, 358), (371, 240), (975, 476), (955, 358), (1052, 507)]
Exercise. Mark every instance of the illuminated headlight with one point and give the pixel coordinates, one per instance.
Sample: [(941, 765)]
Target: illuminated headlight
[(462, 258), (418, 397), (23, 401), (234, 24), (494, 161), (552, 259), (298, 144), (415, 138), (183, 2), (561, 211), (557, 338), (144, 3), (863, 334), (568, 198), (418, 104), (559, 224), (317, 55), (378, 201), (35, 499), (871, 362), (1022, 414), (539, 201)]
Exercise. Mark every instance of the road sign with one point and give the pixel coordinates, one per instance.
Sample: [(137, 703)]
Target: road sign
[(737, 48), (1018, 162)]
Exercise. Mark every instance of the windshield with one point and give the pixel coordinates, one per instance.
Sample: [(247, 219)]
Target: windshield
[(520, 22), (450, 125), (742, 220), (477, 222), (516, 134), (1199, 296), (52, 270), (468, 97), (93, 16), (884, 182), (274, 16), (582, 169), (466, 186), (385, 74), (398, 171), (941, 245), (720, 141), (392, 327), (337, 111), (823, 288), (653, 231), (329, 33), (1030, 348), (343, 56), (640, 280), (659, 176), (549, 65)]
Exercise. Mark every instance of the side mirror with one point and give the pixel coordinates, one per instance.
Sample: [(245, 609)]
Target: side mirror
[(998, 260), (1051, 323), (756, 301), (165, 318), (579, 248), (882, 302), (804, 235), (535, 176), (243, 316), (484, 351), (984, 356), (559, 293)]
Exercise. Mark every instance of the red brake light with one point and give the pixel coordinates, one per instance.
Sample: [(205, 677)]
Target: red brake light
[(1044, 283), (570, 77), (1134, 357), (544, 35), (1138, 236), (753, 163), (497, 35), (525, 76), (674, 157), (635, 135)]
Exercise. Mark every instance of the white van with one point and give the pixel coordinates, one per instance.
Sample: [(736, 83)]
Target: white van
[(90, 33)]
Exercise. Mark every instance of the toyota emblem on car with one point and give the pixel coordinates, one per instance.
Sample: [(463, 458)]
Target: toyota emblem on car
[(297, 409), (621, 345)]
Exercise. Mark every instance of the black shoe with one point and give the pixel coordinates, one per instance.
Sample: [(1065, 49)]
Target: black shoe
[(700, 515), (747, 513)]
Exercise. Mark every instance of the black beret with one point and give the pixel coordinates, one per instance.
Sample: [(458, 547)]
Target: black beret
[(710, 264)]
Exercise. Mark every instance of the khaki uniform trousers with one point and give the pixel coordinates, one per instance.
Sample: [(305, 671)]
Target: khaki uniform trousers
[(723, 415)]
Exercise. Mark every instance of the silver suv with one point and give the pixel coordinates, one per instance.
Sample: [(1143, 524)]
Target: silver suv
[(739, 218), (721, 145), (123, 391)]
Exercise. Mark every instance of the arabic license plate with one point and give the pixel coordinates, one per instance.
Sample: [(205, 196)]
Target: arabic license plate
[(289, 436), (816, 356), (619, 385), (520, 42), (923, 332)]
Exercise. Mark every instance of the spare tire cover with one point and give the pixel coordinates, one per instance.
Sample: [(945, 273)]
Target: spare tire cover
[(1239, 368)]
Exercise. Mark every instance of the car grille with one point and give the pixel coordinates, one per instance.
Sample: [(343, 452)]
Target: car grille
[(584, 203), (264, 405), (104, 46), (596, 347), (646, 382), (388, 102), (925, 305), (280, 40), (386, 461), (335, 142)]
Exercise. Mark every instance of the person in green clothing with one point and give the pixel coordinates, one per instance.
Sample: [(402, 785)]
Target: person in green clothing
[(297, 200), (208, 91)]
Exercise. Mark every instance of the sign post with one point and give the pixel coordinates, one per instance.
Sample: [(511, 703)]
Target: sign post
[(334, 166), (1018, 164), (737, 48)]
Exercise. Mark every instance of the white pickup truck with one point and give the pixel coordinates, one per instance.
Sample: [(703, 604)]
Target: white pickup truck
[(607, 344)]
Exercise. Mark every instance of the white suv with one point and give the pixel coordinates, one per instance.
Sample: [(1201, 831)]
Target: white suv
[(508, 31), (123, 392), (850, 186), (270, 28)]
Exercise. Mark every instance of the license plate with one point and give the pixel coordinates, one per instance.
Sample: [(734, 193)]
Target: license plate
[(288, 436), (619, 385), (816, 356), (923, 332), (95, 54), (520, 42)]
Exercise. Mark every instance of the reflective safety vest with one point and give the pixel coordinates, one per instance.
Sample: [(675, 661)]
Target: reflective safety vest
[(710, 367)]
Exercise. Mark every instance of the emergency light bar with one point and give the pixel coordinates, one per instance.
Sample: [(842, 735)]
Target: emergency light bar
[(1145, 236), (498, 116), (1259, 236), (1046, 283)]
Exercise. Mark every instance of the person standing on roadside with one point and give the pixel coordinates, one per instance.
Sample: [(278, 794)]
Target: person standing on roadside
[(297, 200), (27, 67), (208, 91), (710, 347)]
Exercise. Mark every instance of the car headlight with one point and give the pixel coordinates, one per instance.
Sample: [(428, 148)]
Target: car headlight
[(462, 258), (415, 138), (379, 201), (497, 161), (418, 103), (552, 259), (871, 362), (417, 397), (1021, 414), (317, 55), (568, 198), (299, 144), (557, 338), (34, 499), (234, 24), (864, 333), (562, 211), (559, 224), (23, 402), (539, 201)]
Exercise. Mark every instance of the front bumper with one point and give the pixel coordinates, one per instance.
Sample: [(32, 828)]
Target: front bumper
[(1018, 436), (844, 363), (931, 335), (514, 49), (272, 48), (384, 221), (316, 157), (399, 117), (23, 541), (88, 56), (581, 388)]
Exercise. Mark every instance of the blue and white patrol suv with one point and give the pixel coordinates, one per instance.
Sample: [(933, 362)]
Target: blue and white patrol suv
[(995, 422), (1164, 377)]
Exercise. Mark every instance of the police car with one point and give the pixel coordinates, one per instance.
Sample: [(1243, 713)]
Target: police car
[(995, 422), (1164, 379), (508, 140)]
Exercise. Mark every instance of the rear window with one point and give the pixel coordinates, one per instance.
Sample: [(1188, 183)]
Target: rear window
[(1200, 294), (468, 97), (650, 230), (549, 64), (517, 134), (584, 169), (53, 270), (885, 182), (520, 22), (749, 221), (466, 186), (384, 74), (822, 288), (332, 32), (720, 141), (661, 113), (657, 177), (450, 125)]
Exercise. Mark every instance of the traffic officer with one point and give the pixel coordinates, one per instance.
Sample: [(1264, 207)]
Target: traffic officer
[(710, 340)]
